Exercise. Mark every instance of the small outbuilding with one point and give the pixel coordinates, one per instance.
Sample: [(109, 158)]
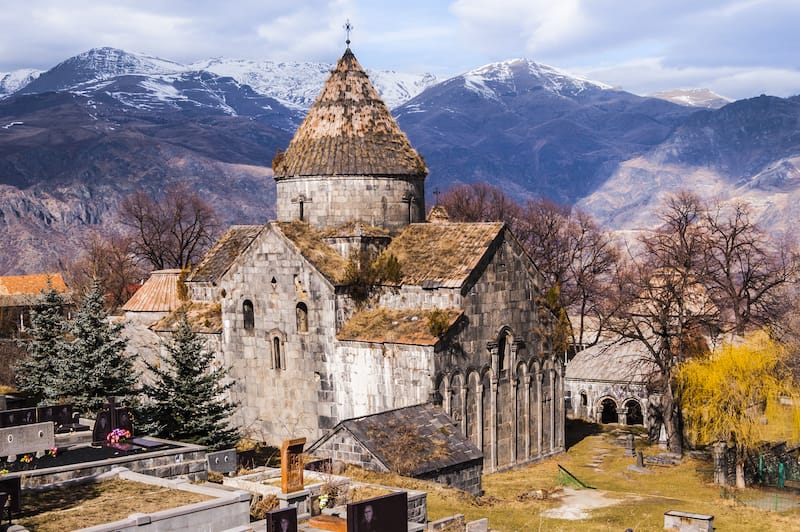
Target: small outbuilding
[(420, 441)]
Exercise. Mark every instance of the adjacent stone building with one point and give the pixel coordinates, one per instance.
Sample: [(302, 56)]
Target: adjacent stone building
[(352, 304), (608, 383)]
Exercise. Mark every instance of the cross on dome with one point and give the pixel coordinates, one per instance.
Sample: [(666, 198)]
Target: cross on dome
[(348, 28)]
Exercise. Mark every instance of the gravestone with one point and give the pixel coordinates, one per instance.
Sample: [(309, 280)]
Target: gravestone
[(13, 486), (24, 439), (111, 417), (629, 446), (15, 418), (222, 461), (292, 465)]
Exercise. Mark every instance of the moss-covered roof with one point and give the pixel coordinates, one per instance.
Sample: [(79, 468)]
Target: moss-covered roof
[(204, 317), (415, 440), (349, 131), (220, 257), (312, 246), (412, 327), (436, 255)]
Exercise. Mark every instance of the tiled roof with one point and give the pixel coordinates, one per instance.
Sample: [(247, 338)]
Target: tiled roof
[(158, 294), (311, 245), (24, 290), (393, 326), (442, 254), (623, 362), (204, 317), (381, 433), (349, 131), (220, 257)]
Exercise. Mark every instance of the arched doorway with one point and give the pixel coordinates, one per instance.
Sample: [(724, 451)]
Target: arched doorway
[(609, 411), (633, 413)]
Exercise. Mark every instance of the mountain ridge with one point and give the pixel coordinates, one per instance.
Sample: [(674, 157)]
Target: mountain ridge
[(103, 123)]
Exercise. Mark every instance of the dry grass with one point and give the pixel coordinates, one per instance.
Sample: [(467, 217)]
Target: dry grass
[(395, 326), (93, 504), (512, 503), (203, 317), (309, 241)]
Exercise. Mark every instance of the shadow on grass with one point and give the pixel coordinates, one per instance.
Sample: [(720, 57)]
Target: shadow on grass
[(36, 502), (577, 429)]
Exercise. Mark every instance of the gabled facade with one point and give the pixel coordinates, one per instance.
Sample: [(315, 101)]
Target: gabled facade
[(351, 304)]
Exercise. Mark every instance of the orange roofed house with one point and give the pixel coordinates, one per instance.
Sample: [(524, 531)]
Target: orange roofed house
[(19, 294)]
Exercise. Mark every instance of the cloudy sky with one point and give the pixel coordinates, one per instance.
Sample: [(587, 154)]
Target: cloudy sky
[(738, 48)]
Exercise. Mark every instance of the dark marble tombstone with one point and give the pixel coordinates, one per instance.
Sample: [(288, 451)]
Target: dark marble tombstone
[(102, 426), (388, 513), (46, 413), (124, 419), (292, 465), (13, 486), (15, 418), (284, 520)]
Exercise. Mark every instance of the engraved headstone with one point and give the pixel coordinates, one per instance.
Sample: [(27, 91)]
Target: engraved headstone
[(292, 465), (102, 426)]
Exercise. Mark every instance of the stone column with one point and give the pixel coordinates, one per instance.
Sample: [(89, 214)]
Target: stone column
[(463, 393), (551, 375), (514, 424), (493, 414), (479, 414), (527, 409), (539, 411)]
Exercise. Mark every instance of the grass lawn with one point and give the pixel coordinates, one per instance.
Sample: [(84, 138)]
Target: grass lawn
[(511, 500)]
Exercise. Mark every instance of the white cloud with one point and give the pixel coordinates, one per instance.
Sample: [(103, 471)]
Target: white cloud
[(731, 46)]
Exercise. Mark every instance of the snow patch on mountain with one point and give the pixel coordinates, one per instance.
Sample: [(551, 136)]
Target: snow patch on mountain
[(13, 81), (703, 98), (297, 85), (486, 79)]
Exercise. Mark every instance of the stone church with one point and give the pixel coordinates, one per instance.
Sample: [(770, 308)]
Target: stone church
[(351, 303)]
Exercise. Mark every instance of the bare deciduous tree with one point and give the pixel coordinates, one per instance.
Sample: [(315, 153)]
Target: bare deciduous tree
[(746, 272), (109, 260), (174, 232)]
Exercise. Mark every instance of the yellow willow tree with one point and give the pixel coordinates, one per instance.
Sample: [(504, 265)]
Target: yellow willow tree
[(725, 395)]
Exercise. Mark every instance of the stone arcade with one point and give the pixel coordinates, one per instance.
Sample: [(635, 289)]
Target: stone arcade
[(312, 339)]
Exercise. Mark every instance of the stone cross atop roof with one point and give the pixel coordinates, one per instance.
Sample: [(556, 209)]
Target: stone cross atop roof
[(349, 131)]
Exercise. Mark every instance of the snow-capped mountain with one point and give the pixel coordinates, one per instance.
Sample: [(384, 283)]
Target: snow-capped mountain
[(294, 85), (13, 81), (693, 98), (532, 129), (76, 139), (297, 85), (494, 79)]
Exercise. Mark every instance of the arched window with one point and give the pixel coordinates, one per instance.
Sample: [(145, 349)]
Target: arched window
[(633, 413), (504, 350), (302, 317), (249, 315), (609, 409), (277, 356)]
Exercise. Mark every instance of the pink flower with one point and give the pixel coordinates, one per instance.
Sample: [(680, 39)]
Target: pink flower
[(118, 435)]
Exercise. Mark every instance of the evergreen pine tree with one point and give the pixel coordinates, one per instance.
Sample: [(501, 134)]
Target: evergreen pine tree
[(186, 397), (38, 373), (97, 366)]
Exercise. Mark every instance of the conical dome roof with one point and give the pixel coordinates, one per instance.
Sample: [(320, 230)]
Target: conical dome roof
[(349, 131)]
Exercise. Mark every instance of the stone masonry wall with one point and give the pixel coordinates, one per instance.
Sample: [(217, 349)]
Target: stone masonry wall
[(275, 365), (367, 378), (331, 201)]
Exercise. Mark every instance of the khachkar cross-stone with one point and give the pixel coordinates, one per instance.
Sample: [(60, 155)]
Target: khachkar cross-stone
[(348, 28), (292, 465)]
